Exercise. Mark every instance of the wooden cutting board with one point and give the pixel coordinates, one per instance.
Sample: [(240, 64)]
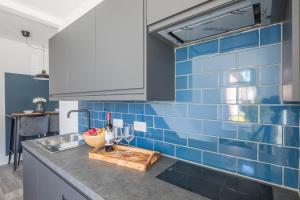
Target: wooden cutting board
[(131, 157)]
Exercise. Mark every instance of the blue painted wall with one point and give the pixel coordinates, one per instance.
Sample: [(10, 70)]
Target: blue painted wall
[(20, 89), (228, 112)]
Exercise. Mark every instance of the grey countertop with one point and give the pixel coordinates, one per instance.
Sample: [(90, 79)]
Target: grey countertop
[(100, 180)]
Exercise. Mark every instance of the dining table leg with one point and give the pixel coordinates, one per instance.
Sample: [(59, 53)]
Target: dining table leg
[(15, 144), (11, 141)]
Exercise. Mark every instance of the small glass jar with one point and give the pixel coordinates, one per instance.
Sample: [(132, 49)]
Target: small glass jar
[(39, 107)]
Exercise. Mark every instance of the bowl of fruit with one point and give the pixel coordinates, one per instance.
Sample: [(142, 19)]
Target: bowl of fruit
[(94, 137)]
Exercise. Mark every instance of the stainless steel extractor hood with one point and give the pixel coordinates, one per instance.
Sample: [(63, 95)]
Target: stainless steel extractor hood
[(227, 18)]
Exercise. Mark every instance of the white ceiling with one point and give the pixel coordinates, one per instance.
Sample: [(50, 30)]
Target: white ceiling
[(43, 18), (55, 8)]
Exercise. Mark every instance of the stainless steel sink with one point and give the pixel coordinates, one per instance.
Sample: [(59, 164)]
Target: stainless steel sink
[(60, 142)]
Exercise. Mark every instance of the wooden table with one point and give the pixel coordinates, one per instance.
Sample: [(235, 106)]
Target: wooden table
[(14, 131)]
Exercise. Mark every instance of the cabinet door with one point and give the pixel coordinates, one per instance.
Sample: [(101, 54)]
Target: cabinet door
[(30, 180), (120, 38), (59, 63), (81, 35), (68, 193), (160, 9), (72, 56), (48, 184)]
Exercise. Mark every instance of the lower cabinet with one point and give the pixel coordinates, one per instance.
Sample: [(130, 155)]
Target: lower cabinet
[(41, 183)]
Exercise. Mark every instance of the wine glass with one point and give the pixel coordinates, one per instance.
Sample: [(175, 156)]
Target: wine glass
[(117, 134), (128, 133)]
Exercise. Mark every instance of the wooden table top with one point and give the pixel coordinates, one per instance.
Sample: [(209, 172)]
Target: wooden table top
[(22, 114)]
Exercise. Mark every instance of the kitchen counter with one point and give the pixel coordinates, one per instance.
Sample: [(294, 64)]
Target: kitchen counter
[(99, 180)]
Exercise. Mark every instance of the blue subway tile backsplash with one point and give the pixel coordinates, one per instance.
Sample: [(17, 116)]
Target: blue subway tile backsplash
[(259, 170), (181, 54), (203, 48), (291, 178), (239, 41), (219, 161), (203, 142), (277, 155), (270, 35), (188, 154), (227, 114), (238, 148)]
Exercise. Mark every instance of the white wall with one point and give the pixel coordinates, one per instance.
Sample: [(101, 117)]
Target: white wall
[(15, 57)]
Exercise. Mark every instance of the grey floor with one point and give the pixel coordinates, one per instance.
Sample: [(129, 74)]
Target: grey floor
[(11, 186), (11, 183)]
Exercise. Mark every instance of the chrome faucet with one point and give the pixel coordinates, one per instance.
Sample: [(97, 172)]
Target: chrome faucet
[(82, 110)]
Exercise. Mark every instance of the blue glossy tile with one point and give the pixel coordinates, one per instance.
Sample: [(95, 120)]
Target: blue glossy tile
[(144, 143), (287, 115), (155, 134), (238, 148), (271, 134), (95, 115), (164, 148), (291, 178), (203, 142), (122, 107), (211, 96), (89, 105), (268, 94), (82, 104), (109, 107), (270, 35), (136, 108), (177, 124), (181, 82), (219, 161), (98, 106), (291, 136), (219, 128), (270, 75), (239, 41), (176, 110), (184, 68), (128, 118), (97, 123), (139, 134), (270, 55), (188, 96), (240, 77), (181, 54), (203, 112), (248, 95), (284, 156), (261, 171), (218, 63), (154, 109), (206, 80), (102, 115), (197, 65), (188, 154), (175, 138), (237, 113), (229, 95), (116, 115), (203, 48)]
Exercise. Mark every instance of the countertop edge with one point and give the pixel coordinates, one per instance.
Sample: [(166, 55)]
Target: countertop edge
[(73, 182)]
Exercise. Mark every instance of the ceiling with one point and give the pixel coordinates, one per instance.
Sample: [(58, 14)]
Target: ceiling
[(43, 18)]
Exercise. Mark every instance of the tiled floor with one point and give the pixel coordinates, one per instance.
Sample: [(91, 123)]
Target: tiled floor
[(11, 185)]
